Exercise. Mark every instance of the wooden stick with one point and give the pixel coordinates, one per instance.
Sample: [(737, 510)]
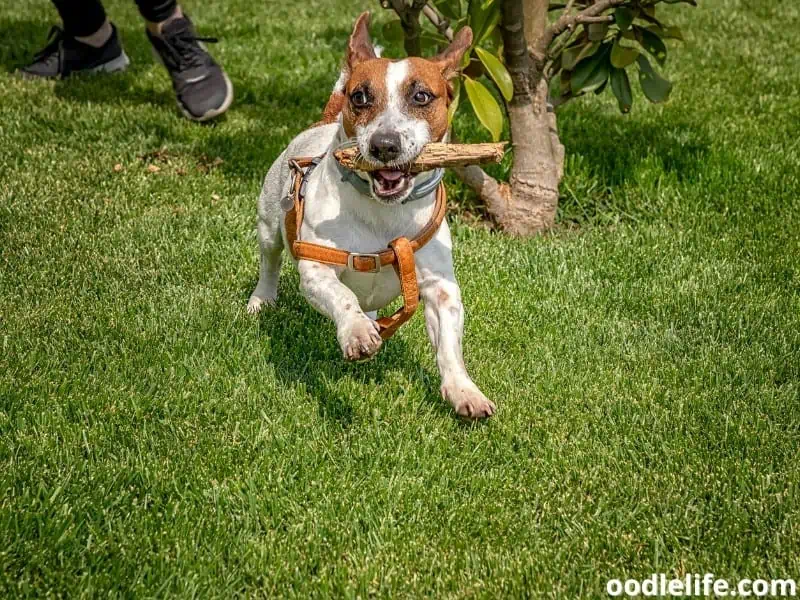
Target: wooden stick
[(432, 156)]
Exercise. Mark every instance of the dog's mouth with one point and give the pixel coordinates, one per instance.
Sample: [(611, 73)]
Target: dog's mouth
[(391, 184)]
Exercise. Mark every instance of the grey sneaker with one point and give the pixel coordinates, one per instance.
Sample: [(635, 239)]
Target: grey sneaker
[(202, 88), (65, 55)]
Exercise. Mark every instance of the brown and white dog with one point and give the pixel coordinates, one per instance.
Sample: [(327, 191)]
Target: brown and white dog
[(390, 109)]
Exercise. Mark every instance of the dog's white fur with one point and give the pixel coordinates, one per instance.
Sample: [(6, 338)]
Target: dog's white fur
[(337, 215)]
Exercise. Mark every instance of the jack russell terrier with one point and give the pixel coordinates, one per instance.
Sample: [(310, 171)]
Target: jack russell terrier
[(390, 109)]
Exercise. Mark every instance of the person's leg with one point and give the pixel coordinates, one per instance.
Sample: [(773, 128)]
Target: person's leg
[(81, 18), (88, 42), (202, 88), (158, 12)]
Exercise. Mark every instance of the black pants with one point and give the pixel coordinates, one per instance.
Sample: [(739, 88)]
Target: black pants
[(83, 17)]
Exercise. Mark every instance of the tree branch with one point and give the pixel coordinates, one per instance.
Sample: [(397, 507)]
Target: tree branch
[(568, 22), (439, 21), (409, 20), (600, 19)]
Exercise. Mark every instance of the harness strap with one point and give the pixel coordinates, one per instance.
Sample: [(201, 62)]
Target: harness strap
[(407, 273), (400, 252)]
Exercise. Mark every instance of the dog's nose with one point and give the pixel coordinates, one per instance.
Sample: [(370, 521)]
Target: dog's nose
[(385, 146)]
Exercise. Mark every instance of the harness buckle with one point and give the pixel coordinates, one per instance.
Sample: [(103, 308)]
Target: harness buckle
[(375, 257)]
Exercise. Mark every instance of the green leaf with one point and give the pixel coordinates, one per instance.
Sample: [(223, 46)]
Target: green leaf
[(623, 17), (480, 12), (485, 106), (494, 40), (497, 71), (621, 86), (572, 56), (622, 56), (566, 76), (597, 31), (655, 87), (651, 19), (591, 72), (449, 8), (652, 43), (393, 31), (667, 32), (554, 87), (451, 110), (492, 21), (602, 88)]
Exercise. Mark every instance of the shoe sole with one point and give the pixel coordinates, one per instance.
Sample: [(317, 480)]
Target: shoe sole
[(214, 112), (117, 64)]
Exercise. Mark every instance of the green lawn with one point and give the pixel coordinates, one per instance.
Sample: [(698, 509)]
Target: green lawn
[(645, 358)]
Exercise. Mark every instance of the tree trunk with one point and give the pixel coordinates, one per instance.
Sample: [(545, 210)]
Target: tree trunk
[(528, 203), (538, 155), (535, 18)]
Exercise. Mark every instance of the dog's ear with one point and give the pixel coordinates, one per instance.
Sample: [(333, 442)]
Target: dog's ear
[(359, 46), (449, 60)]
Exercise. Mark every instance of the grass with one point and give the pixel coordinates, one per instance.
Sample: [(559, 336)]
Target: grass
[(155, 441)]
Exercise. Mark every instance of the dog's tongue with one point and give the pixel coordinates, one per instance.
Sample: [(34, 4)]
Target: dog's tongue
[(390, 174)]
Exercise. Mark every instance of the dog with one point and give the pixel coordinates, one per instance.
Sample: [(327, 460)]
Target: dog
[(390, 109)]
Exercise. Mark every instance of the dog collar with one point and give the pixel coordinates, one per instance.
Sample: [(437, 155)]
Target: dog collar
[(364, 187)]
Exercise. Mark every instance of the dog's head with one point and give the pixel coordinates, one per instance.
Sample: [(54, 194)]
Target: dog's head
[(394, 107)]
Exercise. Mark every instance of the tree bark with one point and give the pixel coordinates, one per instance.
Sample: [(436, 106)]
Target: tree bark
[(496, 195), (535, 12), (538, 155)]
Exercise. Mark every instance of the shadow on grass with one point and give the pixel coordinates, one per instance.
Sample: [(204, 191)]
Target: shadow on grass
[(606, 154), (304, 352), (616, 146)]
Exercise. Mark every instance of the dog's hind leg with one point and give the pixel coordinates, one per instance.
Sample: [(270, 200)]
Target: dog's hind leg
[(270, 241), (266, 291)]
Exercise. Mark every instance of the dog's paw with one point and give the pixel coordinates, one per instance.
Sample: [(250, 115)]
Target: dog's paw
[(256, 303), (467, 400), (359, 339)]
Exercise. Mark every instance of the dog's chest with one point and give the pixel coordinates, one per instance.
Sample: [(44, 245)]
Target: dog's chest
[(373, 290), (334, 217)]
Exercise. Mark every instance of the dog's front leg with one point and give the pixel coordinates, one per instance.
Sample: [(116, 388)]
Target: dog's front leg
[(357, 334), (444, 319)]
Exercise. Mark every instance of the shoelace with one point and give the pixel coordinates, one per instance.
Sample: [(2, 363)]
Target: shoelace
[(53, 48), (183, 49)]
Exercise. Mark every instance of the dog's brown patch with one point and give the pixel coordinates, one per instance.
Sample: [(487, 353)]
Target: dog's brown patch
[(368, 74), (426, 75), (368, 77)]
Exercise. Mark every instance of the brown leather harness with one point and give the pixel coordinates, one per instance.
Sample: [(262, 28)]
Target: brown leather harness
[(399, 254)]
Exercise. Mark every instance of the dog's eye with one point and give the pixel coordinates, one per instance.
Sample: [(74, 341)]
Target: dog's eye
[(422, 98), (359, 99)]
